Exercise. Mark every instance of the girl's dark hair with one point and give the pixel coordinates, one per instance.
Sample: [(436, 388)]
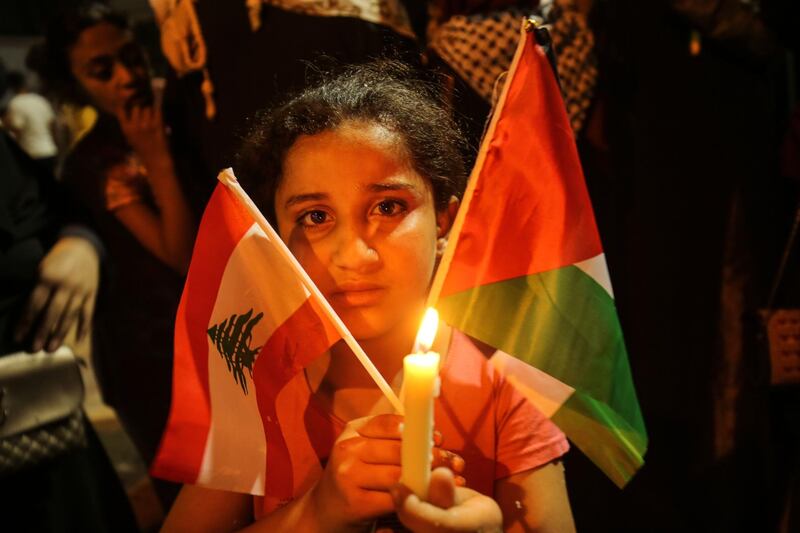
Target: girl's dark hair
[(63, 31), (388, 93)]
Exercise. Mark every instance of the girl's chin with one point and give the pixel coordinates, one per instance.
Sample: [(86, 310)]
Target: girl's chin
[(364, 324), (373, 322)]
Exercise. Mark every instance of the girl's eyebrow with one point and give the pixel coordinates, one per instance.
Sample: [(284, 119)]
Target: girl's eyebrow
[(308, 197), (372, 187), (99, 60), (398, 186)]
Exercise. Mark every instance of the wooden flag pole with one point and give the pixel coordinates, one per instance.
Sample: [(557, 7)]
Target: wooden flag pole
[(229, 180)]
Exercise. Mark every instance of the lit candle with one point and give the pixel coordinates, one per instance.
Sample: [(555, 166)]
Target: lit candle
[(420, 386)]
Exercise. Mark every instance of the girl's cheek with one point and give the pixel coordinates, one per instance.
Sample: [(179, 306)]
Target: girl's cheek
[(313, 258)]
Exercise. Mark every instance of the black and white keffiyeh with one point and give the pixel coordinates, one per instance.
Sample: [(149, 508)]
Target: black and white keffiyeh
[(480, 47)]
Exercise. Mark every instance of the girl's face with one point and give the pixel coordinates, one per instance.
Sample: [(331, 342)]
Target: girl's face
[(362, 223), (110, 67)]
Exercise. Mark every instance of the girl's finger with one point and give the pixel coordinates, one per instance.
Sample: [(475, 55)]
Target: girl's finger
[(121, 113), (148, 117), (447, 459), (377, 477), (135, 116), (475, 512), (441, 489), (374, 503), (380, 451), (418, 515), (381, 427), (158, 101)]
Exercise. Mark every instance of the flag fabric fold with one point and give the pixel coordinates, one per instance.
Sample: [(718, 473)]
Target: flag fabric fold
[(525, 272), (246, 325)]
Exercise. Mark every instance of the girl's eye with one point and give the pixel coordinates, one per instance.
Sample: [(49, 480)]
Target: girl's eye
[(313, 218), (389, 208), (101, 69)]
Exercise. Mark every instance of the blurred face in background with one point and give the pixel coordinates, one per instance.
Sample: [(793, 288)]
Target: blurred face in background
[(111, 68)]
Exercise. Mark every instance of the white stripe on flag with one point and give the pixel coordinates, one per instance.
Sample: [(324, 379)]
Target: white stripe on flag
[(236, 448), (597, 269), (541, 389)]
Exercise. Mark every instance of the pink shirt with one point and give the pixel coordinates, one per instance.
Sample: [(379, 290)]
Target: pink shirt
[(481, 416)]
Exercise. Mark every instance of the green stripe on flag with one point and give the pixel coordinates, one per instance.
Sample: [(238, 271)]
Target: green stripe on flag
[(565, 324), (602, 436)]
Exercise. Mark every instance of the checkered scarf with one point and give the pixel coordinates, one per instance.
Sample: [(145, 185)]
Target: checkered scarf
[(480, 47)]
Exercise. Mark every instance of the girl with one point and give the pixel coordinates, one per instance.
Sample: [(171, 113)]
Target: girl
[(361, 177), (124, 172)]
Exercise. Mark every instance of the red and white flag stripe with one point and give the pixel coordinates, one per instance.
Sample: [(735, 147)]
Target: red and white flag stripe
[(241, 299)]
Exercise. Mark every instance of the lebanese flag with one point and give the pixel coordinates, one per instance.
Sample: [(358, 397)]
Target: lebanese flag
[(525, 272), (246, 326)]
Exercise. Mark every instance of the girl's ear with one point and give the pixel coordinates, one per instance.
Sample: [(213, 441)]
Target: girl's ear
[(446, 217), (444, 221)]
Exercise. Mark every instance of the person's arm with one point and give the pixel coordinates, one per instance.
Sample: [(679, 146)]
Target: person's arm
[(535, 500), (200, 509), (168, 231)]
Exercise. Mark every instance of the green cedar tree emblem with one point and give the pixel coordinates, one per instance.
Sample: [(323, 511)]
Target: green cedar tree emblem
[(232, 337)]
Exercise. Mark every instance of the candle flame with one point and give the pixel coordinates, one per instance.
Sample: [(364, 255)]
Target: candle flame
[(427, 331)]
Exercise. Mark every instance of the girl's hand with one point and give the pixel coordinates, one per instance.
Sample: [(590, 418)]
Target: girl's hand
[(449, 507), (144, 130), (361, 470)]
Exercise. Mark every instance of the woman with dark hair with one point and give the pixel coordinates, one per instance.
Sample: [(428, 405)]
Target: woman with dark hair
[(124, 171), (361, 176)]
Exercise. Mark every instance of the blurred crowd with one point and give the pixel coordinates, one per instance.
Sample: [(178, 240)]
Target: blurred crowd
[(687, 120)]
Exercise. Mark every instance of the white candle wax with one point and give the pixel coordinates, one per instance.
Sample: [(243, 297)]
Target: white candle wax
[(420, 386)]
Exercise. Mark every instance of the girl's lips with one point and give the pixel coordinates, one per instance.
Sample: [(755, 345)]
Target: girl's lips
[(357, 294)]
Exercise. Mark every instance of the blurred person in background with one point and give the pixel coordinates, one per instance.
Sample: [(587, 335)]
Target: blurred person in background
[(232, 59), (31, 120), (125, 173), (49, 270), (680, 157)]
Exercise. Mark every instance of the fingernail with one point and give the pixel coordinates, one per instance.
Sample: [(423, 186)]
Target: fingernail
[(460, 481), (437, 438), (457, 462), (53, 346)]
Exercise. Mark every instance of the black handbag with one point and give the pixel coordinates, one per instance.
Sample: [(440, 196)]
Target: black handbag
[(41, 416), (781, 326)]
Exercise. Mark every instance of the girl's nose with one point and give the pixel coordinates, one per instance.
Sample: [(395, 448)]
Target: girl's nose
[(353, 251), (122, 74)]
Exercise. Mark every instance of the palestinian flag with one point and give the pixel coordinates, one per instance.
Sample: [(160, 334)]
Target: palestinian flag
[(246, 325), (525, 272)]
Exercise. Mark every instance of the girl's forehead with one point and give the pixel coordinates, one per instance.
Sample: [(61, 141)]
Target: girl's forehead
[(353, 136), (352, 156), (98, 40)]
